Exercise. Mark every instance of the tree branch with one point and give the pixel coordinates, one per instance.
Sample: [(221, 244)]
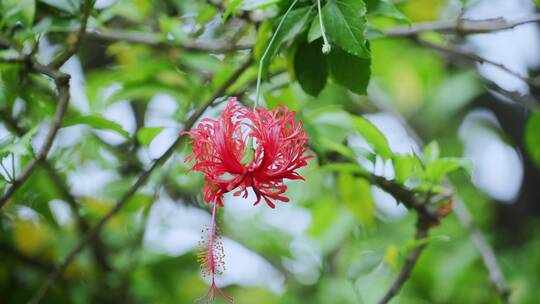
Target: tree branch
[(98, 247), (460, 26), (156, 40), (527, 101), (465, 26), (86, 8), (457, 51), (463, 214), (410, 262), (524, 100), (51, 279), (25, 259), (61, 81), (489, 259), (427, 218)]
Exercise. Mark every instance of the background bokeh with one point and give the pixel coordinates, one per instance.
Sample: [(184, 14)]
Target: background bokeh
[(339, 240)]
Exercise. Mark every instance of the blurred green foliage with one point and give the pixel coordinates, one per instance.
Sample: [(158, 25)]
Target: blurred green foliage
[(184, 49)]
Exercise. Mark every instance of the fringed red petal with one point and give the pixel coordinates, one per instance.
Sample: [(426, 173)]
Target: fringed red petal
[(278, 145)]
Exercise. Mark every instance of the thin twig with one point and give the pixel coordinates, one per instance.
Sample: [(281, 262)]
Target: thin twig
[(463, 214), (25, 259), (222, 6), (423, 224), (457, 51), (157, 40), (13, 171), (61, 81), (7, 43), (6, 171), (427, 217), (461, 26), (141, 180), (527, 101), (98, 247), (406, 271), (484, 248), (406, 197), (86, 8)]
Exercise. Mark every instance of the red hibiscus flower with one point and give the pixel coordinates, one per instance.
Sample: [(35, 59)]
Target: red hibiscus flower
[(245, 148)]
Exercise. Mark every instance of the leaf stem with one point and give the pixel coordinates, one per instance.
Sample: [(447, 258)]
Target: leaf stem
[(13, 165), (10, 178), (261, 62), (326, 48)]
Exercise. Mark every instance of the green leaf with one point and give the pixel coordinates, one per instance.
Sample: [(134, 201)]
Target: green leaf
[(350, 71), (532, 137), (19, 147), (412, 244), (391, 256), (373, 136), (371, 271), (231, 9), (310, 67), (314, 32), (385, 8), (437, 169), (173, 27), (37, 192), (336, 147), (356, 195), (10, 78), (250, 5), (345, 24), (17, 11), (431, 152), (142, 91), (96, 121), (264, 33), (405, 166), (207, 14), (293, 25), (4, 143), (138, 202), (329, 122), (374, 32), (344, 168), (69, 6), (286, 96), (146, 135)]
